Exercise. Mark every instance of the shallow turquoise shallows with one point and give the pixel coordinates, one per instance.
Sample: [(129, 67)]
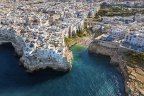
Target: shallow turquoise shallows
[(91, 75)]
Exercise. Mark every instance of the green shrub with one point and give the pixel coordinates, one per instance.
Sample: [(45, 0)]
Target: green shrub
[(135, 58)]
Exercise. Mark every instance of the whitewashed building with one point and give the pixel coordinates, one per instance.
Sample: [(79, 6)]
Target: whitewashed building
[(135, 38)]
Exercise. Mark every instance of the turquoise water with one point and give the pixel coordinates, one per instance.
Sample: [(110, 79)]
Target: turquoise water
[(91, 75)]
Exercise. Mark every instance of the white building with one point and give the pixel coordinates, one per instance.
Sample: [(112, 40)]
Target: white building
[(139, 18), (135, 38)]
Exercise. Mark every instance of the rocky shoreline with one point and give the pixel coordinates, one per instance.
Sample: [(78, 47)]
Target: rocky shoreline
[(28, 65), (37, 55), (133, 75)]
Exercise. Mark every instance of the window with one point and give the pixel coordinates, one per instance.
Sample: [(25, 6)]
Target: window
[(134, 36)]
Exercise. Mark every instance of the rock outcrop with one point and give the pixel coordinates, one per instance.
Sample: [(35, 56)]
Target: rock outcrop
[(133, 75), (37, 57)]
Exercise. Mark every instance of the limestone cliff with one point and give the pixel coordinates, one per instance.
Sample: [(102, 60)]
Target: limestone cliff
[(36, 58)]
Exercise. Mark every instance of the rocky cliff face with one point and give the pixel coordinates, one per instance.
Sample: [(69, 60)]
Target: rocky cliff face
[(33, 63), (95, 47), (133, 75), (36, 60)]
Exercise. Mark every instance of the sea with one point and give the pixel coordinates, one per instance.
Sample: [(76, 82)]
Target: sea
[(91, 75)]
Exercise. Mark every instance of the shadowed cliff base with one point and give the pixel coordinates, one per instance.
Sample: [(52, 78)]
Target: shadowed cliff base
[(11, 71)]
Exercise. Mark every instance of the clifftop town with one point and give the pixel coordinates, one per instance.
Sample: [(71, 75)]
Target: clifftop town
[(37, 30)]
